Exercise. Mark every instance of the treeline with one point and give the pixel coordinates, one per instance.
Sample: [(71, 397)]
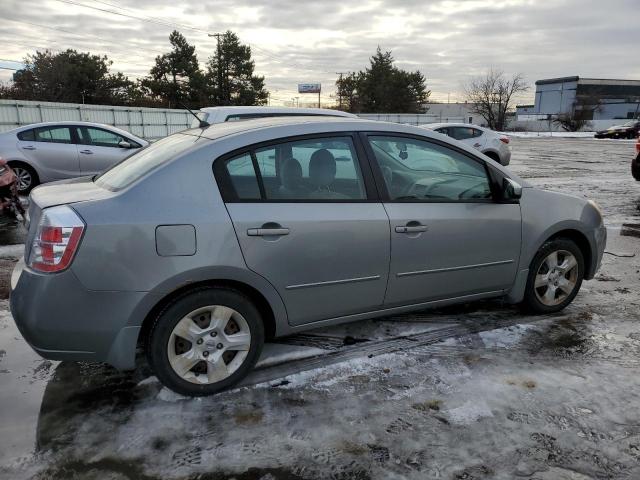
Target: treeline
[(227, 78), (176, 78)]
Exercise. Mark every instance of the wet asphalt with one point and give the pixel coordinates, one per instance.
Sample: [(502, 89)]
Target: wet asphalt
[(469, 392)]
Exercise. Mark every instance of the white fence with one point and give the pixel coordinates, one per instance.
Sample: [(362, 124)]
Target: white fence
[(148, 123)]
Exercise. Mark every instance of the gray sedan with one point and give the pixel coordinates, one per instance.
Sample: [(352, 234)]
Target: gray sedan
[(44, 152), (208, 242)]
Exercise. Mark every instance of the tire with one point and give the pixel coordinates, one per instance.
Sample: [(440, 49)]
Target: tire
[(557, 288), (27, 177), (185, 349), (493, 156)]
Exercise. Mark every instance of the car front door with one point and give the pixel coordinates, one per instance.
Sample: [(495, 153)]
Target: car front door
[(52, 149), (99, 149), (307, 220), (449, 238)]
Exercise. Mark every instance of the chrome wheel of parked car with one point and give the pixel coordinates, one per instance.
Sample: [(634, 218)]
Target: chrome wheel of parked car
[(205, 340), (24, 177), (556, 278), (209, 344)]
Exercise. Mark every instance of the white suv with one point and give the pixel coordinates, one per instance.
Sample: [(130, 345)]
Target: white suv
[(492, 144), (213, 115)]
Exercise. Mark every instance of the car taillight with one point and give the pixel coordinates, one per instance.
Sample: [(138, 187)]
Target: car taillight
[(504, 140), (638, 146), (56, 240)]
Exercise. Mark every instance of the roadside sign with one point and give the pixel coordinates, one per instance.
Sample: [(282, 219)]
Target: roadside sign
[(309, 88)]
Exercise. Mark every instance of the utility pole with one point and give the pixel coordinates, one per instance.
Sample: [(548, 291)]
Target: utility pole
[(340, 89), (219, 55)]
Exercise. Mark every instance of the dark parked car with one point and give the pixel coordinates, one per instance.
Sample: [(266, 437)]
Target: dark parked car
[(635, 163), (627, 130)]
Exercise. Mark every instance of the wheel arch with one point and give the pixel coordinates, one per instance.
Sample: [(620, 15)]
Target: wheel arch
[(581, 240), (270, 313)]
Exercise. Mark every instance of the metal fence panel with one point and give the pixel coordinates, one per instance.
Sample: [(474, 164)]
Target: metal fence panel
[(149, 123)]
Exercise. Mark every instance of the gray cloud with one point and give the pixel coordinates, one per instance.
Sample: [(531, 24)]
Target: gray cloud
[(294, 41)]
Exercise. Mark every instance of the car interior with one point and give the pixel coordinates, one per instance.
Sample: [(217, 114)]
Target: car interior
[(328, 170)]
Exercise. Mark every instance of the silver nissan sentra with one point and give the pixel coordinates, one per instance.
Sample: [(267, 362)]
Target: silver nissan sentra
[(208, 242)]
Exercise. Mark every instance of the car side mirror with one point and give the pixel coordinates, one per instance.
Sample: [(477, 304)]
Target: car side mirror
[(124, 144), (511, 190)]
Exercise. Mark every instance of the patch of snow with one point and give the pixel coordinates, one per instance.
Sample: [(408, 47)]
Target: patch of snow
[(469, 412), (11, 251), (505, 337), (274, 353)]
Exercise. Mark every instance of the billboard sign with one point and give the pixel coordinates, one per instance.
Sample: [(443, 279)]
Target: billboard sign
[(309, 88)]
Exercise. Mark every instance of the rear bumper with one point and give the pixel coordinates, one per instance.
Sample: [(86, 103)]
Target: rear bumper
[(61, 320)]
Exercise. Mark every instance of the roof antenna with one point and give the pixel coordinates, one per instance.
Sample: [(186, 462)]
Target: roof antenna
[(202, 124)]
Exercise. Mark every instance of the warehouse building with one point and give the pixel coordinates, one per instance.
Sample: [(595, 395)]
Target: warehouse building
[(599, 99)]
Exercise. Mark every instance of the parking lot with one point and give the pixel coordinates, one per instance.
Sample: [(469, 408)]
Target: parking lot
[(468, 392)]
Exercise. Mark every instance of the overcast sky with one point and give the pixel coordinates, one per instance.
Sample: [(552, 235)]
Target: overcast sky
[(307, 41)]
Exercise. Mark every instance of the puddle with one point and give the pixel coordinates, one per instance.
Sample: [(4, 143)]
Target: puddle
[(630, 230), (11, 233), (565, 338)]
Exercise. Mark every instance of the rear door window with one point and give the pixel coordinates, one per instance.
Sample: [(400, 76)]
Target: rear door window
[(325, 169), (52, 135)]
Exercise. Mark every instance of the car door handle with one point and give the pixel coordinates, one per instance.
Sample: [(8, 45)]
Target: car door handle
[(29, 147), (86, 152), (411, 229), (263, 232)]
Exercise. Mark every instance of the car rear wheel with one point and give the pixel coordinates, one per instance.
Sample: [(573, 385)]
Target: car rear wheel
[(205, 341), (555, 276), (27, 178)]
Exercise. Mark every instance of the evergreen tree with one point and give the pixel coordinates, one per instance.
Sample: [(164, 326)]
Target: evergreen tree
[(230, 74), (176, 76)]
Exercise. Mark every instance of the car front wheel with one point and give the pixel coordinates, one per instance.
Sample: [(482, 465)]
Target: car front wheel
[(555, 276), (205, 341)]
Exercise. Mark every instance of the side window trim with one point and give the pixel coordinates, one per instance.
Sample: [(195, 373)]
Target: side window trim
[(227, 192), (381, 185)]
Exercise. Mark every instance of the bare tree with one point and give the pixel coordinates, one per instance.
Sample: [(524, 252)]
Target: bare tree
[(582, 110), (491, 95)]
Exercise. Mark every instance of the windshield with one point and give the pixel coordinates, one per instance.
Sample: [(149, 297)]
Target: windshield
[(139, 164)]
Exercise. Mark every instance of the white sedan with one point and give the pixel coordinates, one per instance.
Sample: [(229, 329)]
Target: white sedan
[(45, 152), (492, 144)]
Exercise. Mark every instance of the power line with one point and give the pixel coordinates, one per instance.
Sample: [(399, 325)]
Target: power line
[(157, 21)]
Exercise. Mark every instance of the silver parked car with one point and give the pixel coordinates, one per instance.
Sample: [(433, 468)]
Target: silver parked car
[(493, 144), (208, 242), (44, 152)]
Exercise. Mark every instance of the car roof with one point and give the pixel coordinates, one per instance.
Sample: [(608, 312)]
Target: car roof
[(238, 110)]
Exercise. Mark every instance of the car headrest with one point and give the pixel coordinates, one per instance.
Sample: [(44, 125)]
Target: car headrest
[(322, 168)]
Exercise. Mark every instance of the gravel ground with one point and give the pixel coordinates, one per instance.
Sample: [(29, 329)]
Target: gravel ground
[(475, 391)]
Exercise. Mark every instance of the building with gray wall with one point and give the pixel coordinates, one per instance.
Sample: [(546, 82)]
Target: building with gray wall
[(602, 99)]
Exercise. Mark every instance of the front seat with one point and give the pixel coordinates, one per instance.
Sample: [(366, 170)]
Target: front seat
[(292, 185), (322, 173)]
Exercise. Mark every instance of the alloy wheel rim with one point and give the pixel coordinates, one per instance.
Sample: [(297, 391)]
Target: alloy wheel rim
[(23, 177), (556, 278), (209, 344)]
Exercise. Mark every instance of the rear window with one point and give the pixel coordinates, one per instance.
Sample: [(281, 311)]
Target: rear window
[(139, 164)]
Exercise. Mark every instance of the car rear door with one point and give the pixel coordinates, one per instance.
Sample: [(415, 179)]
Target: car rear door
[(474, 137), (52, 150), (307, 219), (449, 238), (99, 149)]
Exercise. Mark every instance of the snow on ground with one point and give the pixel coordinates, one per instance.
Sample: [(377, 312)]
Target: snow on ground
[(538, 397)]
